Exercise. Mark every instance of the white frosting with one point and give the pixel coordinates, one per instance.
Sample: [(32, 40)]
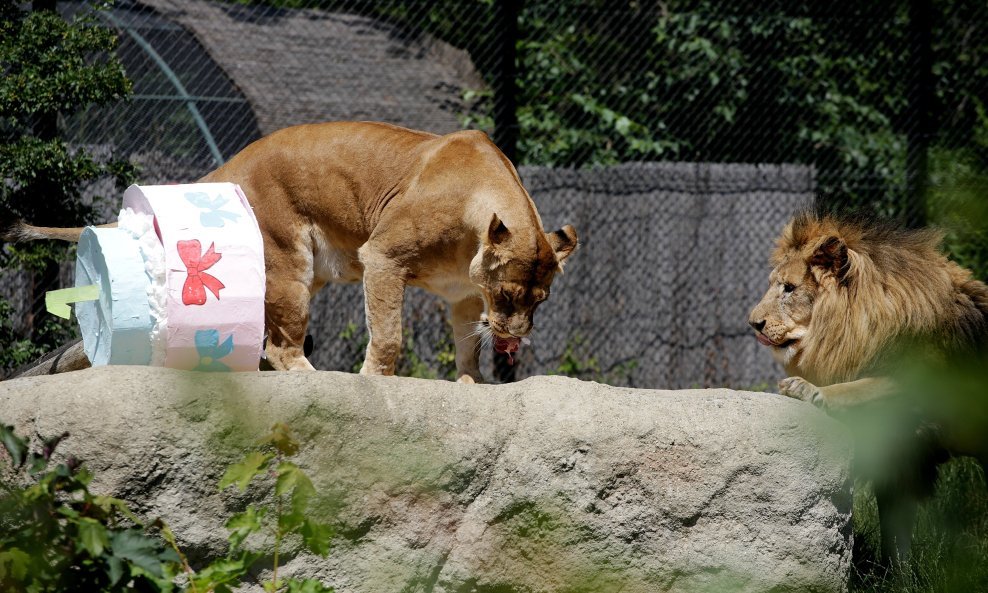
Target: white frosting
[(141, 227)]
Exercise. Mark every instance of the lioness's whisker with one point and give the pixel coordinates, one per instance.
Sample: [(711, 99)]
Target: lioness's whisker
[(481, 330)]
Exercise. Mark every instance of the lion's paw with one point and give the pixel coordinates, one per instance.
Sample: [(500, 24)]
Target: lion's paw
[(800, 388)]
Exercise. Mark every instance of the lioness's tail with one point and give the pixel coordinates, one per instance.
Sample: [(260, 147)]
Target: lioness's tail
[(21, 231)]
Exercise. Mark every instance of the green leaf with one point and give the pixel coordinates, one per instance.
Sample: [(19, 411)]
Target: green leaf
[(163, 583), (289, 476), (307, 586), (16, 446), (137, 548), (108, 504), (36, 464), (82, 475), (291, 479), (622, 125), (281, 439), (92, 537), (14, 563), (223, 572), (116, 569), (289, 521), (68, 512), (317, 537), (242, 473), (243, 524)]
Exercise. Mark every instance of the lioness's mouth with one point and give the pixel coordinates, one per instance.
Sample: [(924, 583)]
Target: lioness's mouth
[(507, 346), (504, 342)]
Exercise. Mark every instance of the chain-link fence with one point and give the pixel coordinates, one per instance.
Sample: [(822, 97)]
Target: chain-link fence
[(616, 112)]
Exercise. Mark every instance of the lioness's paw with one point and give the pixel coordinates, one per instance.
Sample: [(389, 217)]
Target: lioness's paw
[(800, 388)]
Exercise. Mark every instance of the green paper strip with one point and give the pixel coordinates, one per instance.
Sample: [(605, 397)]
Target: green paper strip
[(57, 301)]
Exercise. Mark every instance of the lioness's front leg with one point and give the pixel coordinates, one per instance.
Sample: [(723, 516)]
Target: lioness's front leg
[(464, 316), (384, 291)]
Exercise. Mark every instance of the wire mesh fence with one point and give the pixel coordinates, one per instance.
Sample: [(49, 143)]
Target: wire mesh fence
[(617, 113)]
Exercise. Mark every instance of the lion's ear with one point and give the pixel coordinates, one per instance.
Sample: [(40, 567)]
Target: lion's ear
[(830, 255), (497, 233), (563, 242)]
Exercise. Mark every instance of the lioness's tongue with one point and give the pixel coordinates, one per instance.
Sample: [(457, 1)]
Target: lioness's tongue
[(507, 345)]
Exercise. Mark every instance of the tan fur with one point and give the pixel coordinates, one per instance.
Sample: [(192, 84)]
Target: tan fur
[(859, 293), (352, 201), (846, 304)]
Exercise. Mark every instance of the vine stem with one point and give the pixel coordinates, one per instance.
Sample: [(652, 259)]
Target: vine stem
[(185, 565), (277, 534), (277, 545)]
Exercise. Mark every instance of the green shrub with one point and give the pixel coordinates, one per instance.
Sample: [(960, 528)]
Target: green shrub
[(56, 536)]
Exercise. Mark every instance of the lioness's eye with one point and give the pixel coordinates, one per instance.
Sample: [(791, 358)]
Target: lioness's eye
[(787, 287)]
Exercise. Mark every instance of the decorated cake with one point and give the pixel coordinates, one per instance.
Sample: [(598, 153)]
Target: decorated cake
[(179, 283)]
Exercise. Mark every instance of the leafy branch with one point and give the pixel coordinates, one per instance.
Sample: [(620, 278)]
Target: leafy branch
[(56, 536)]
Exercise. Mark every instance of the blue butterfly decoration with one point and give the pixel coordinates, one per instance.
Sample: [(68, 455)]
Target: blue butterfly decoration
[(210, 350), (211, 216)]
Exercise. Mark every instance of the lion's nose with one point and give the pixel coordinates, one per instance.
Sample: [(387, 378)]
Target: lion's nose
[(758, 325)]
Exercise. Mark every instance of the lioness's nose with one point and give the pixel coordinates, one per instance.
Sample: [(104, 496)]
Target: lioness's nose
[(520, 327), (758, 325)]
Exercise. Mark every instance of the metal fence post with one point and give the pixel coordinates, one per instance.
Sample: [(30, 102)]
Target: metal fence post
[(45, 124), (921, 86), (506, 118), (45, 128), (505, 89)]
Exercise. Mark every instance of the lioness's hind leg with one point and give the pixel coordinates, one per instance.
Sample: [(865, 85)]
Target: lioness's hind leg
[(464, 316)]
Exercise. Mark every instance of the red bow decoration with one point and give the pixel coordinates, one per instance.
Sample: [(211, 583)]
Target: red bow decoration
[(193, 292)]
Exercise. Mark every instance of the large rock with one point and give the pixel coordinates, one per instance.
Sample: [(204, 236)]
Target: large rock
[(550, 484)]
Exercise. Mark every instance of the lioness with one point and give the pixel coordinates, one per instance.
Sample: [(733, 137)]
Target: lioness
[(846, 304), (345, 201)]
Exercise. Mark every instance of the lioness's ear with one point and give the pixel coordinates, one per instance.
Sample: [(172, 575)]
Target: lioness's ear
[(563, 242), (830, 255), (497, 233)]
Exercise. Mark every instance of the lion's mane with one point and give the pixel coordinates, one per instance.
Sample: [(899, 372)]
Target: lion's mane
[(891, 286)]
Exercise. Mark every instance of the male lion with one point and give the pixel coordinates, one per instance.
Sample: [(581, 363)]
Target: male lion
[(352, 201), (847, 303)]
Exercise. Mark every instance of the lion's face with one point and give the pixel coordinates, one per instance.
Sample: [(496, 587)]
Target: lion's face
[(846, 298), (783, 315), (810, 262)]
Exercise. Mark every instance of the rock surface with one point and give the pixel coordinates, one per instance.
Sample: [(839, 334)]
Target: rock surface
[(549, 484)]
